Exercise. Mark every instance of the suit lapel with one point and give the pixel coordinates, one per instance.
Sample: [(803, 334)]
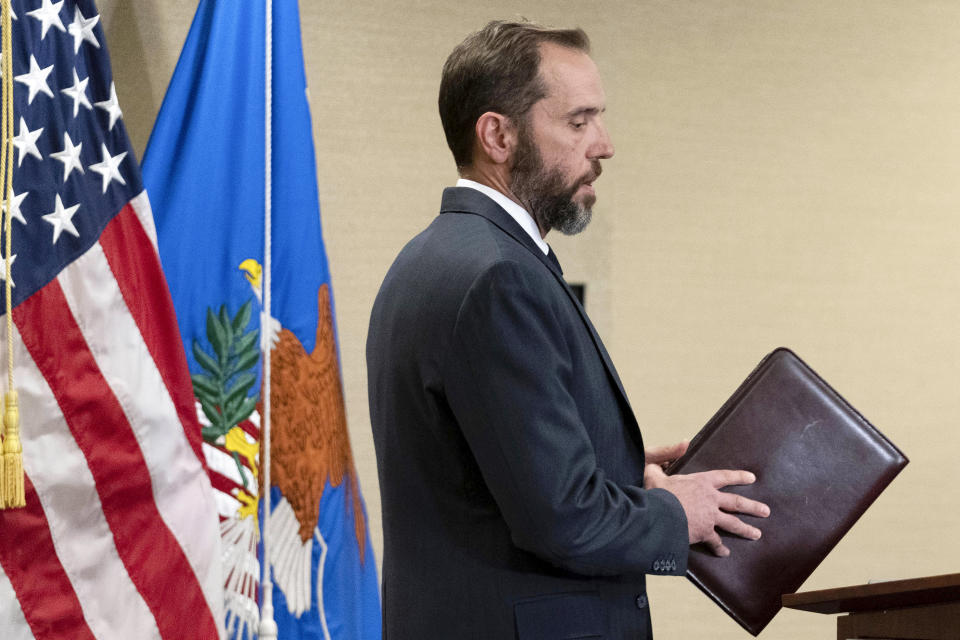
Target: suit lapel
[(607, 362), (467, 200)]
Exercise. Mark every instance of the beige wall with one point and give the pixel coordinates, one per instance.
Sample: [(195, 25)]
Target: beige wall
[(786, 174)]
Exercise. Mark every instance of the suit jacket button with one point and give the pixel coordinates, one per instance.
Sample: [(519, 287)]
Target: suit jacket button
[(656, 565), (641, 601)]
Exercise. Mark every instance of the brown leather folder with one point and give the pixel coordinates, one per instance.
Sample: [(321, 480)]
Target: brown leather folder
[(819, 465)]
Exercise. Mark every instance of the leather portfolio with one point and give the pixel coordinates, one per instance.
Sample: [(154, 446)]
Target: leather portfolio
[(819, 464)]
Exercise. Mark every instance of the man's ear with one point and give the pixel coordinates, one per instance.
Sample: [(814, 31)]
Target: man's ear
[(496, 137)]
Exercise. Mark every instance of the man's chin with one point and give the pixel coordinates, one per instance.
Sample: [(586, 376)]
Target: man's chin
[(576, 219)]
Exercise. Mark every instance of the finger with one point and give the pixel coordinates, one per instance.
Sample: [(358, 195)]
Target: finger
[(660, 455), (738, 504), (716, 545), (726, 477), (737, 526), (676, 451)]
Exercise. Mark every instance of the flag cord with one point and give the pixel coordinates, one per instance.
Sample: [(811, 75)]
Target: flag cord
[(268, 626), (11, 462)]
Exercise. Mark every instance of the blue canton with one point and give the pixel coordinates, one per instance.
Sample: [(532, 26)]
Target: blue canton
[(74, 169)]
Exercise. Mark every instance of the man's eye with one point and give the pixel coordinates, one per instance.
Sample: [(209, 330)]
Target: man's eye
[(578, 125)]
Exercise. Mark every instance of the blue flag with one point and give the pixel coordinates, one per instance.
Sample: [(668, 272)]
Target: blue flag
[(205, 172)]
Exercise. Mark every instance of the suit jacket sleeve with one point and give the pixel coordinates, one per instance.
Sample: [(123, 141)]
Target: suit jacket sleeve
[(508, 375)]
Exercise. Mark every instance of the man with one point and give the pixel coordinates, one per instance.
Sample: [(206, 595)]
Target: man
[(512, 471)]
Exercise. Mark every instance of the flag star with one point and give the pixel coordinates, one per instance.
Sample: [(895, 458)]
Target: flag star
[(3, 269), (35, 79), (62, 219), (78, 92), (111, 106), (82, 29), (109, 168), (69, 156), (15, 207), (48, 15), (26, 142)]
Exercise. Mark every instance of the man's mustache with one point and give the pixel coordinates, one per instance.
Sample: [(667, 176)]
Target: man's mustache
[(595, 171)]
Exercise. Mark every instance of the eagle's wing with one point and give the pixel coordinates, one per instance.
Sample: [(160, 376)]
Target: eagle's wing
[(309, 440)]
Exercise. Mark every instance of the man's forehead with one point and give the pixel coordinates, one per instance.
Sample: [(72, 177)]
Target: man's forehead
[(571, 77)]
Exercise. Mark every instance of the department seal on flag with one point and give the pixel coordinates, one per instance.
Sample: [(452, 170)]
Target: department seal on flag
[(310, 450)]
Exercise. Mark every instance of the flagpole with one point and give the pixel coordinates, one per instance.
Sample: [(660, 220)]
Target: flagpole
[(268, 626)]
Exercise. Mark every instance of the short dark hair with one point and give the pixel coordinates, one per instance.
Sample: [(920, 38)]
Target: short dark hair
[(495, 69)]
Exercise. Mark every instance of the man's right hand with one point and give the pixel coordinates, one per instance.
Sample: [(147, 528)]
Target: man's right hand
[(707, 507)]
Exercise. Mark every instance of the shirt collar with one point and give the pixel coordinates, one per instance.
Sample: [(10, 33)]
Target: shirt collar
[(518, 213)]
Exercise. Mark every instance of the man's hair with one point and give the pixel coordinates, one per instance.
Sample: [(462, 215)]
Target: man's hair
[(495, 69)]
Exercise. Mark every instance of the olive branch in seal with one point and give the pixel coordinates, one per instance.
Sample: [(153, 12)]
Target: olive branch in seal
[(229, 374)]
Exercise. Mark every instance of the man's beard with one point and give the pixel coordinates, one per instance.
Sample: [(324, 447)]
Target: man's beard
[(543, 191)]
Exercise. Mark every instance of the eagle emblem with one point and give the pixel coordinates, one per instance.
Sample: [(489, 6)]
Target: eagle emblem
[(310, 450)]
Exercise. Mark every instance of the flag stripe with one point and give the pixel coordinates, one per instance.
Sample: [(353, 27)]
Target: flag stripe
[(224, 484), (251, 429), (227, 506), (141, 206), (102, 432), (95, 300), (14, 625), (220, 461), (136, 266), (30, 562), (68, 495)]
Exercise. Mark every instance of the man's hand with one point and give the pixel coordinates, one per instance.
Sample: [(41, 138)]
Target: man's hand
[(707, 508)]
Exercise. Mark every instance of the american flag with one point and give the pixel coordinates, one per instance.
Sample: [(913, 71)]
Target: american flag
[(119, 537)]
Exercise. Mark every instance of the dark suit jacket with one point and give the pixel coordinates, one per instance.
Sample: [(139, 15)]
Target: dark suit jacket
[(510, 462)]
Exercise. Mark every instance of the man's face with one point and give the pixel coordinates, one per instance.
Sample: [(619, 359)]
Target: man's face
[(561, 142)]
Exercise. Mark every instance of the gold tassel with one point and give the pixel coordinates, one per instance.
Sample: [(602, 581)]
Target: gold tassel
[(3, 476), (12, 454)]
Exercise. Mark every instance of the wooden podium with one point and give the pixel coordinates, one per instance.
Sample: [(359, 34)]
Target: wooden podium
[(916, 609)]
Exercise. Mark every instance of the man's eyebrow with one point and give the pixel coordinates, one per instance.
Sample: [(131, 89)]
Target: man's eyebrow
[(585, 111)]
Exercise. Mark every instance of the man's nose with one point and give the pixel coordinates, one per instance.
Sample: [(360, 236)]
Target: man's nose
[(603, 146)]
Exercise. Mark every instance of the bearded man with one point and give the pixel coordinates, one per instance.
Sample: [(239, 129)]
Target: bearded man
[(518, 499)]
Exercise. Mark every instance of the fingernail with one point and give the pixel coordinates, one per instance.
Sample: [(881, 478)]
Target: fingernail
[(756, 534), (766, 511), (724, 552), (751, 477)]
